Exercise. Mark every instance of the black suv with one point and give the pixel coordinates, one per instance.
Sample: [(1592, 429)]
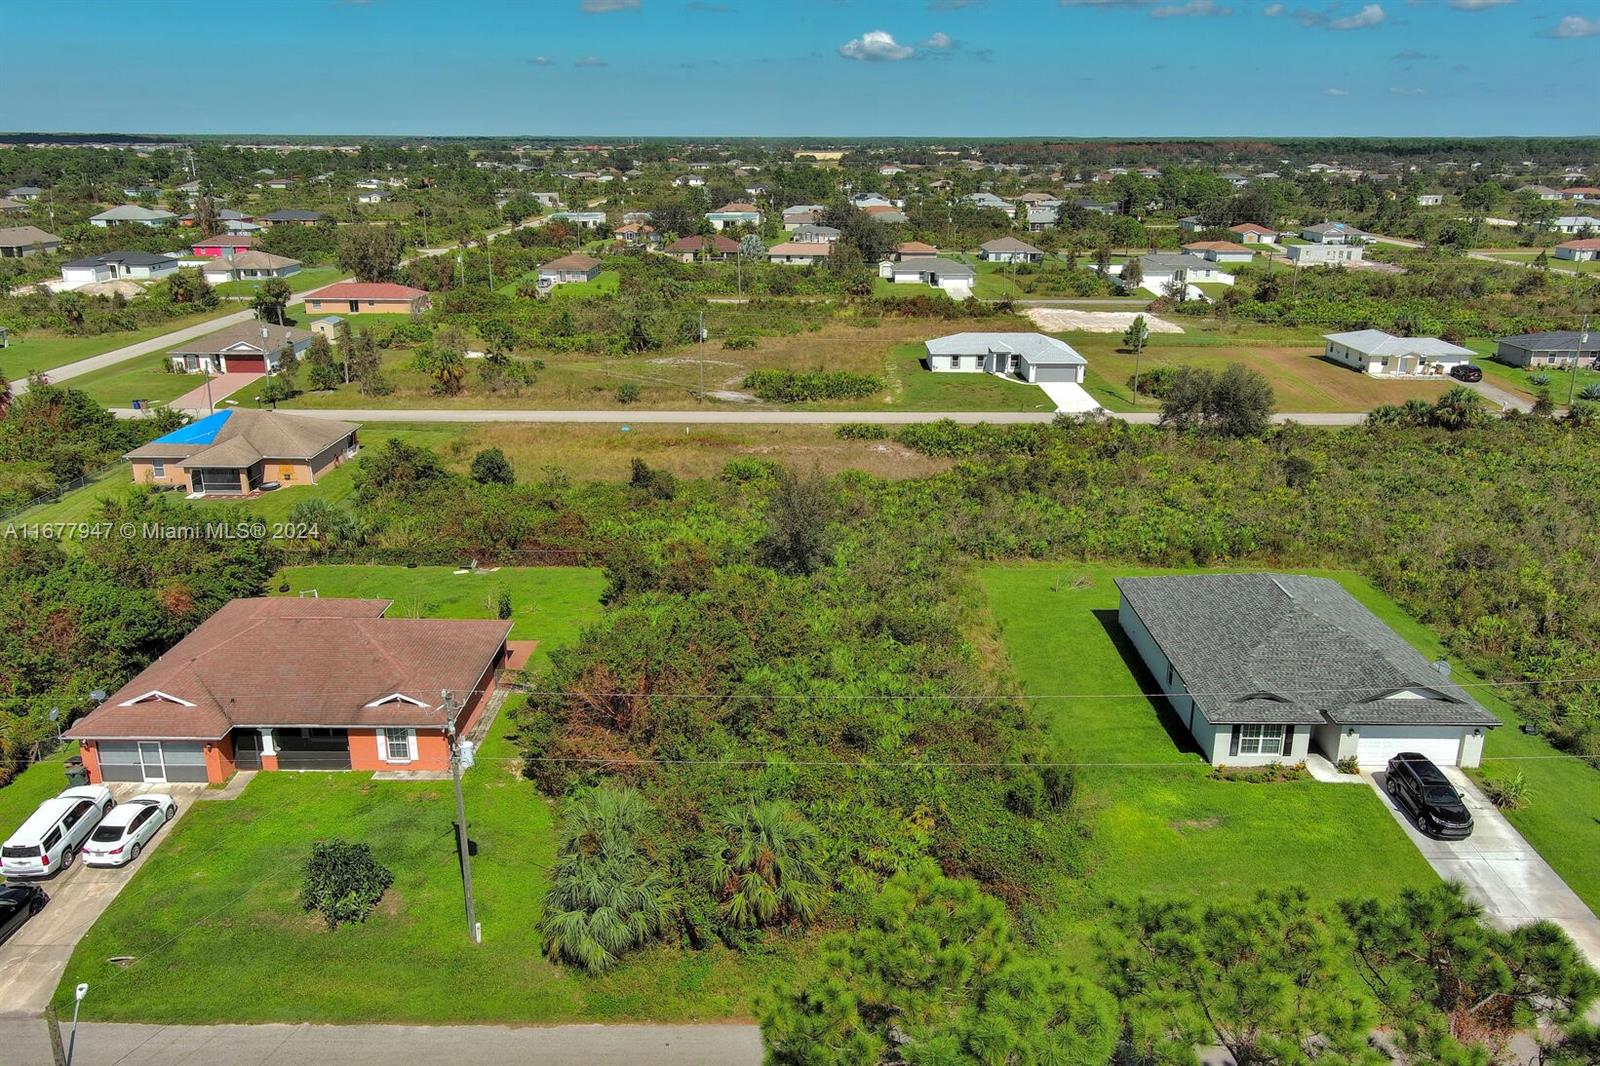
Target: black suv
[(1423, 790), (1466, 372)]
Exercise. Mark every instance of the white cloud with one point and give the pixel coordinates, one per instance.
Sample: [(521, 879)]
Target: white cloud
[(876, 46), (600, 7), (1336, 92), (953, 5), (541, 61), (1575, 26), (589, 61), (1196, 8), (1478, 5), (1272, 11), (939, 41), (1368, 16)]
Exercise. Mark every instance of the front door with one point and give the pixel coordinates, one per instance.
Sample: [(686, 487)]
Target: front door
[(247, 749), (150, 758)]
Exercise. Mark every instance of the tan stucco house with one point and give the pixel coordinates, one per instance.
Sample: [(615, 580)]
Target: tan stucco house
[(240, 451)]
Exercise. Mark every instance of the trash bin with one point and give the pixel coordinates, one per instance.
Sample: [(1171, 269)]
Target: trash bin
[(77, 773), (136, 404)]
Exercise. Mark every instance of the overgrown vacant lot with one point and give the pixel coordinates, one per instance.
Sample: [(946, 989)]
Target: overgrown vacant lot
[(1159, 821), (1291, 360), (216, 931)]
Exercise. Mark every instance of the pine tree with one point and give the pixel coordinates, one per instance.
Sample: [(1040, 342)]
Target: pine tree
[(322, 372)]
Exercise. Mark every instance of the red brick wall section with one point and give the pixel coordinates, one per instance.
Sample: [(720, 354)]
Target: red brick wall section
[(219, 760), (91, 760), (433, 753)]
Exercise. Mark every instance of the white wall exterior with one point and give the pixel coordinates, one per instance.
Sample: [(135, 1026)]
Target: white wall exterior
[(1445, 745), (1324, 254)]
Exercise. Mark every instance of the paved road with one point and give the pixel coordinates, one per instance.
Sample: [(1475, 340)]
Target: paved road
[(32, 961), (26, 1043), (1500, 870), (760, 417), (132, 351)]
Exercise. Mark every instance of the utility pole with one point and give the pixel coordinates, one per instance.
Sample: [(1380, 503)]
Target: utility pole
[(1583, 342), (702, 354), (462, 846)]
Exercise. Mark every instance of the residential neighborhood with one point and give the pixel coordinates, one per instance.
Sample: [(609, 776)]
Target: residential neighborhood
[(694, 534)]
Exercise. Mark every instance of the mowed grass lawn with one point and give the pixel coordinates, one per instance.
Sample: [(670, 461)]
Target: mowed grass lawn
[(145, 378), (39, 351), (216, 931), (1291, 360), (1158, 822), (303, 281)]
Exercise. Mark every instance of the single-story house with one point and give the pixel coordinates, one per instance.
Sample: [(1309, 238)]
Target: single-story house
[(284, 683), (1220, 251), (637, 233), (687, 249), (1576, 224), (134, 192), (1576, 251), (225, 216), (278, 183), (224, 246), (911, 249), (1030, 356), (989, 202), (568, 269), (886, 213), (928, 270), (1372, 351), (802, 215), (581, 219), (132, 214), (1251, 233), (1324, 254), (1042, 218), (1559, 347), (734, 214), (248, 347), (25, 193), (1009, 250), (18, 241), (250, 266), (799, 253), (1581, 193), (372, 196), (1192, 224), (1333, 233), (291, 216), (368, 297), (1160, 269), (1430, 199), (112, 266), (1261, 668), (815, 233), (1543, 192), (240, 450), (9, 206)]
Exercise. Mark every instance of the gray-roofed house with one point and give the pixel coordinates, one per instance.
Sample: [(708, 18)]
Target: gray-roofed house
[(1372, 351), (568, 269), (132, 214), (249, 265), (248, 347), (1333, 233), (1264, 668), (1557, 347), (929, 270), (25, 193), (291, 216), (240, 451), (1009, 250), (1030, 356), (114, 266), (18, 241), (1158, 270), (814, 233)]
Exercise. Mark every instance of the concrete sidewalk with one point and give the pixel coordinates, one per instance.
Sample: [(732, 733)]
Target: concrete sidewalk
[(26, 1042)]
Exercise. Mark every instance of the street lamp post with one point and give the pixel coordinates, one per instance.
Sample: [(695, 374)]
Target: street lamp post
[(77, 1001)]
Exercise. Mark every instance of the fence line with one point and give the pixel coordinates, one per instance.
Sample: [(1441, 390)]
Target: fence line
[(55, 494)]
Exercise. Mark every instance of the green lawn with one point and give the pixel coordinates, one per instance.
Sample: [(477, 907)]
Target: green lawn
[(1158, 821), (45, 351), (143, 378), (1517, 378), (33, 786), (304, 281), (920, 389), (1585, 266)]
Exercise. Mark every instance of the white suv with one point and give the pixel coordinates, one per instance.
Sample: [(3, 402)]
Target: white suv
[(49, 840)]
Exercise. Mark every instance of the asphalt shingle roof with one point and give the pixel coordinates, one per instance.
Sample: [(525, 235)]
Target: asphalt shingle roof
[(1287, 648)]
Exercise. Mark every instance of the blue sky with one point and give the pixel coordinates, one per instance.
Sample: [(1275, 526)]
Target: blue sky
[(1065, 68)]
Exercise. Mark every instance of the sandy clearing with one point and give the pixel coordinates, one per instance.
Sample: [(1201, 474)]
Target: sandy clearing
[(1062, 320)]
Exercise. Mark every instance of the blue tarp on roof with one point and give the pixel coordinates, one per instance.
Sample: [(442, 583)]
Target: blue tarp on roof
[(202, 432)]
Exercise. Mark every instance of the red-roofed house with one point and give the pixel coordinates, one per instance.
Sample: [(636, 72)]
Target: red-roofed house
[(296, 684), (1578, 251), (367, 297), (1250, 233)]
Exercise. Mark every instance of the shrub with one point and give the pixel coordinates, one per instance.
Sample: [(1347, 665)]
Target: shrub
[(862, 431), (1507, 793), (1270, 774), (1590, 391), (343, 881), (1348, 765), (790, 386), (502, 603), (491, 467), (736, 344), (760, 865), (628, 393), (1540, 379)]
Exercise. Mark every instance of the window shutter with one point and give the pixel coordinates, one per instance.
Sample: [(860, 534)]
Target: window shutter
[(1233, 742), (383, 745), (1288, 740), (411, 745)]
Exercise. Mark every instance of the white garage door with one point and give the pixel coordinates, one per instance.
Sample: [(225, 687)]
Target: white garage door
[(1378, 744)]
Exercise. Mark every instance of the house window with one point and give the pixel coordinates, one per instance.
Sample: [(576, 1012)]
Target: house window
[(158, 469), (397, 745), (1261, 740)]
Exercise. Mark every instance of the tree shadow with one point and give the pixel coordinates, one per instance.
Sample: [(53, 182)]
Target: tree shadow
[(1177, 731)]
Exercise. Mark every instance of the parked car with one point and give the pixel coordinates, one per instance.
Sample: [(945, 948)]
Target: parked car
[(1466, 372), (125, 831), (49, 840), (18, 903), (1420, 787)]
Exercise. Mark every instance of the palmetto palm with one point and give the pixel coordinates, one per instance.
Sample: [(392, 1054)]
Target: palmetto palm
[(761, 866), (607, 895)]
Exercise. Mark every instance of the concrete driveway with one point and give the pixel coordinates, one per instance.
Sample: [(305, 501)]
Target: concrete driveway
[(221, 385), (1500, 870), (32, 961)]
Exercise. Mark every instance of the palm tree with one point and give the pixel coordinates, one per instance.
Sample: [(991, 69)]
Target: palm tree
[(607, 894), (761, 866)]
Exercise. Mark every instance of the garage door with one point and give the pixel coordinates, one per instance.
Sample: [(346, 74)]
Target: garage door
[(1055, 373), (1378, 744), (247, 364)]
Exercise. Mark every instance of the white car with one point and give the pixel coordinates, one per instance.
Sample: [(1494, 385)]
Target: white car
[(125, 831)]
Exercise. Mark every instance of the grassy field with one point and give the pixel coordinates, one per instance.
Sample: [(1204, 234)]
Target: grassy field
[(1585, 266), (1158, 821), (1516, 379), (45, 351), (304, 281), (143, 378), (1291, 360)]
